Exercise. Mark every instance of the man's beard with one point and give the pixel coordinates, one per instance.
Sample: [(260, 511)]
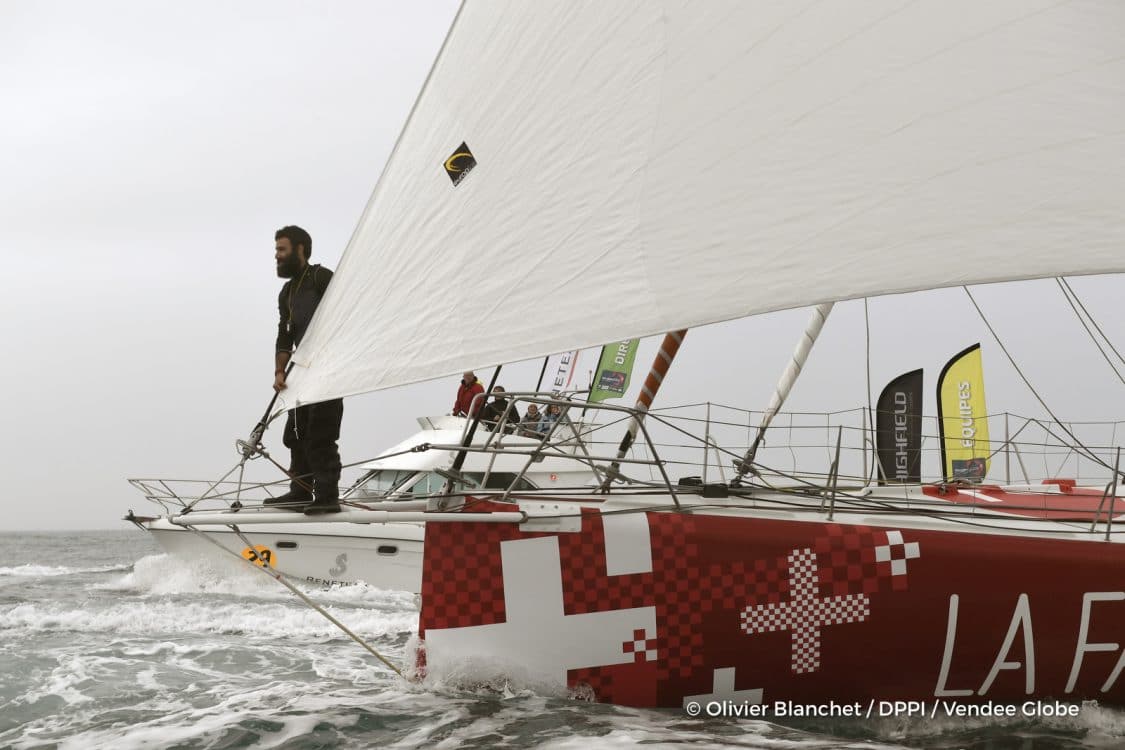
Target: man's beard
[(288, 268)]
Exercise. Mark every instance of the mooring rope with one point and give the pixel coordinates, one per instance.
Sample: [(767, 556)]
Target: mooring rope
[(278, 576)]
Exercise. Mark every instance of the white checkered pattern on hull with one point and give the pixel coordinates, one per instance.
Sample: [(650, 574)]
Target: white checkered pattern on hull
[(897, 553), (805, 613)]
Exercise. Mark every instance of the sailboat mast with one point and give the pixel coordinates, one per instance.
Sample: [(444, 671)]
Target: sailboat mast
[(660, 364), (788, 378)]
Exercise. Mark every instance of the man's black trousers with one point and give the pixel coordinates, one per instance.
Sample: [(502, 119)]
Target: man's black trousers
[(311, 433)]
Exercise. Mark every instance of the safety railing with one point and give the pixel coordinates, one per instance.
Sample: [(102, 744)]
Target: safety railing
[(830, 453)]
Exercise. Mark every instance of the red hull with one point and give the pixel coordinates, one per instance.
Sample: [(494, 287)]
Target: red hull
[(802, 611)]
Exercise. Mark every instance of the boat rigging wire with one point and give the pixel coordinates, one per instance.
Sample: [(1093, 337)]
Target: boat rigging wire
[(870, 411), (1091, 317), (250, 448), (1068, 293), (1077, 443), (254, 441), (240, 485), (278, 576), (873, 503)]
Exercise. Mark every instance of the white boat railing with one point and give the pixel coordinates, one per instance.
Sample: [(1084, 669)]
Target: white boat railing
[(177, 496), (703, 442), (710, 437), (694, 449)]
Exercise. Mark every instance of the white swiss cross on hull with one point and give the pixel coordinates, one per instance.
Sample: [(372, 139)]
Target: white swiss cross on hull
[(805, 613), (722, 689), (539, 641)]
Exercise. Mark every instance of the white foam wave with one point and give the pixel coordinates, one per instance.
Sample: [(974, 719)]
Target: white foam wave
[(266, 713), (164, 575), (29, 570), (165, 648), (456, 721), (1092, 720), (168, 617), (65, 681), (702, 738), (1102, 721)]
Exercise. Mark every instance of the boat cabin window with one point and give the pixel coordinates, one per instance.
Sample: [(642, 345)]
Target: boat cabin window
[(428, 484), (500, 481), (431, 483), (382, 482)]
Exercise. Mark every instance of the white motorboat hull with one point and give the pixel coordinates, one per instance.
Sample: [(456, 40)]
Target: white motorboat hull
[(387, 556)]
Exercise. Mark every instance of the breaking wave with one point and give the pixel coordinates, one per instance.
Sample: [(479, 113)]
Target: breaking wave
[(30, 570), (168, 575)]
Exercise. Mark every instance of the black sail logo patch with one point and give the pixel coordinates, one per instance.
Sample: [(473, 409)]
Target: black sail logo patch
[(459, 164)]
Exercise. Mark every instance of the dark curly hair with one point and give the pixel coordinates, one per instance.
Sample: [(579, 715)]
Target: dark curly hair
[(296, 236)]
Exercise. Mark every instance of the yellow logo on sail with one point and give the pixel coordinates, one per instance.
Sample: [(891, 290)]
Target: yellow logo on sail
[(459, 163), (451, 162)]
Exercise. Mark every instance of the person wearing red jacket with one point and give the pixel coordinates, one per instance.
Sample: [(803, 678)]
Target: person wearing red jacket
[(468, 390)]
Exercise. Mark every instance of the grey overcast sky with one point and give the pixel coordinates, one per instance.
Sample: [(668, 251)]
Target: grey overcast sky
[(148, 151)]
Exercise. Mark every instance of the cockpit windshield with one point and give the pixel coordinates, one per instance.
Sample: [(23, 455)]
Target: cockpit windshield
[(387, 484), (383, 482)]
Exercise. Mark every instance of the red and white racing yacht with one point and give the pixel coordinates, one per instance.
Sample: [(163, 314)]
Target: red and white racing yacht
[(581, 173), (702, 592)]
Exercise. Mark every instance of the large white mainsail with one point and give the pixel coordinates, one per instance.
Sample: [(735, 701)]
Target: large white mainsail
[(696, 162)]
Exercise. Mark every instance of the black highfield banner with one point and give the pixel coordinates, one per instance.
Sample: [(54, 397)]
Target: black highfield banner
[(898, 429)]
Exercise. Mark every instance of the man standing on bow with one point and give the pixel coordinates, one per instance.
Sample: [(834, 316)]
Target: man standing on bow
[(311, 431)]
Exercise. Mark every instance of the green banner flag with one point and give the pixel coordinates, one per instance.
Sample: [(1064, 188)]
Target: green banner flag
[(614, 369)]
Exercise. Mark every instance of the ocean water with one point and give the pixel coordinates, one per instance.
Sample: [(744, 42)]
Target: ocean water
[(107, 642)]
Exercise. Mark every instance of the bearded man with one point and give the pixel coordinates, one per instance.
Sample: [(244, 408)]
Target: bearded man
[(312, 430)]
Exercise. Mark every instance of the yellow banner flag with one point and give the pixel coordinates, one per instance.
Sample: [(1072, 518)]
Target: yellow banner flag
[(963, 418)]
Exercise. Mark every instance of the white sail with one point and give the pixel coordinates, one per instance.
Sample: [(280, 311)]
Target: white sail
[(660, 165)]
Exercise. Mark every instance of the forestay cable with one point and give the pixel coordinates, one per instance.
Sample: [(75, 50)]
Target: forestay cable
[(1077, 443), (1072, 298)]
